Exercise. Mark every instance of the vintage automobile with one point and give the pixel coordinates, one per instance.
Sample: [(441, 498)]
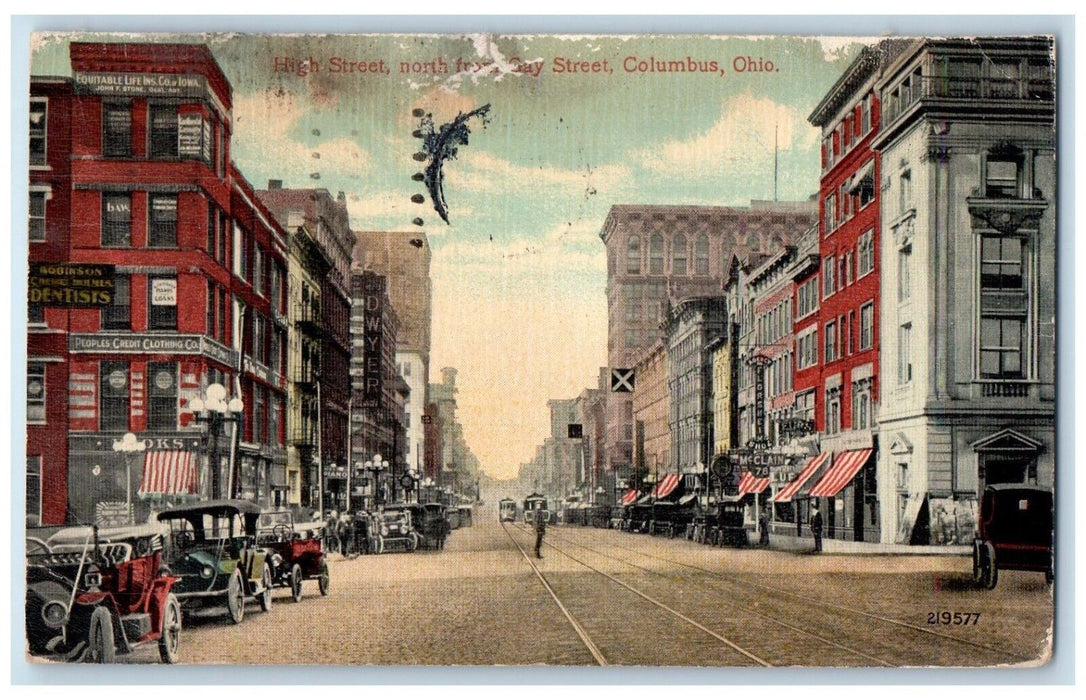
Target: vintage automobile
[(214, 553), (726, 525), (295, 554), (671, 518), (391, 530), (428, 520), (638, 517), (1015, 532), (94, 593), (618, 517)]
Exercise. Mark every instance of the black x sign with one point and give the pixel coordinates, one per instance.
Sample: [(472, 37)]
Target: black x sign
[(622, 380)]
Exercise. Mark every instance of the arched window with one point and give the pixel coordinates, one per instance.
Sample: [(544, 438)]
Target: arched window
[(656, 254), (701, 255), (633, 256), (678, 255)]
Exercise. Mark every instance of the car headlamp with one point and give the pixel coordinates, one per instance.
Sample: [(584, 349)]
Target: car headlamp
[(207, 572), (53, 613)]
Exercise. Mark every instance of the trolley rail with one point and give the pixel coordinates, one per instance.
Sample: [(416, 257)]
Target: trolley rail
[(1015, 656)]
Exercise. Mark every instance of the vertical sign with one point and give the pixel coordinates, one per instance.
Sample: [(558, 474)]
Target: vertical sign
[(759, 362), (373, 287)]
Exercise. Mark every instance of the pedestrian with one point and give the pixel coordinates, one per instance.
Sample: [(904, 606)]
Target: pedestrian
[(540, 528), (816, 528), (764, 526)]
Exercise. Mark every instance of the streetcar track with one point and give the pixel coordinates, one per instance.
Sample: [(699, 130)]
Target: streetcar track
[(755, 613), (824, 604), (732, 645), (587, 640)]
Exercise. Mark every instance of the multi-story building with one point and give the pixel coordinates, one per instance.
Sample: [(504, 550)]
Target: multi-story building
[(593, 403), (848, 290), (403, 259), (457, 465), (140, 182), (968, 232), (652, 436), (327, 219), (691, 325), (656, 253), (259, 293)]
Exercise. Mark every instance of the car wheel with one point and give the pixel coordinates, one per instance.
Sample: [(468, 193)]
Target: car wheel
[(235, 597), (380, 545), (265, 597), (296, 583), (100, 646), (170, 641), (324, 580), (990, 570), (977, 576)]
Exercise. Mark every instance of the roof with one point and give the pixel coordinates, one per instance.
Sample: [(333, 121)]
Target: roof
[(222, 506)]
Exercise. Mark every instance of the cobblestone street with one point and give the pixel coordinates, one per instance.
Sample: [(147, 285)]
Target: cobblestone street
[(645, 600)]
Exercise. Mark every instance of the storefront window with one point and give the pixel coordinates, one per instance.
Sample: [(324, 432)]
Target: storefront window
[(113, 396), (162, 391), (35, 392)]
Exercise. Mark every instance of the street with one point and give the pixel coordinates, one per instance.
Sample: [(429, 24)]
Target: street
[(629, 599)]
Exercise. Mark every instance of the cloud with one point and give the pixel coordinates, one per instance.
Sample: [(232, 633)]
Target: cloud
[(265, 124), (838, 47), (481, 171), (744, 133)]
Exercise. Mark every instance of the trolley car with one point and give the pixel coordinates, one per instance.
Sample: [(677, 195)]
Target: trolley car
[(507, 510), (530, 506)]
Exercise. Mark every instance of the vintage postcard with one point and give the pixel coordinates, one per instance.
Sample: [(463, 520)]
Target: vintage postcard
[(492, 350)]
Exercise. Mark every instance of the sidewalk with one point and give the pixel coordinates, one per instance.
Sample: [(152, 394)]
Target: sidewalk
[(788, 543)]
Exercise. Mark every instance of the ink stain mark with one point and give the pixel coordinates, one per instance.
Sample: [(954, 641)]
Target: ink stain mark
[(442, 144)]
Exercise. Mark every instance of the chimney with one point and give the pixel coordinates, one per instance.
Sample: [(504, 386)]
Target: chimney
[(275, 184)]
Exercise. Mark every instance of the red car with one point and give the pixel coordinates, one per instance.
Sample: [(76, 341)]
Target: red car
[(92, 594), (1015, 532), (295, 554)]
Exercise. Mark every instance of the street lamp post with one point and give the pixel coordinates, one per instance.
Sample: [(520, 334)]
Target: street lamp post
[(128, 446), (376, 466), (216, 411)]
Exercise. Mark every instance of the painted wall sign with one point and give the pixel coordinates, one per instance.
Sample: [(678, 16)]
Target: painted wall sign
[(70, 285)]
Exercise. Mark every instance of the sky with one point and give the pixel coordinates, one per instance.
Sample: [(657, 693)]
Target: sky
[(519, 274)]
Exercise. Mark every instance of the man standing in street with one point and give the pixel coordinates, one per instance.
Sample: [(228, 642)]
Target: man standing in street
[(540, 528), (816, 528)]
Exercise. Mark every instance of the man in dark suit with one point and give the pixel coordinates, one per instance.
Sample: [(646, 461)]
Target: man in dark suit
[(816, 528), (540, 528)]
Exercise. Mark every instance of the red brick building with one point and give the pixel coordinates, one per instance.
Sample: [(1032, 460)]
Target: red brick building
[(130, 167)]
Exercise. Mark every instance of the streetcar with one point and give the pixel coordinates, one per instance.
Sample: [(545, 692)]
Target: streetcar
[(530, 506), (507, 510)]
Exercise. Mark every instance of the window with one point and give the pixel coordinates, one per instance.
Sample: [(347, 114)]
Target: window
[(113, 396), (865, 114), (209, 320), (632, 338), (117, 130), (828, 280), (905, 272), (224, 228), (829, 213), (905, 353), (33, 490), (807, 348), (678, 255), (35, 392), (805, 407), (36, 221), (162, 303), (633, 256), (35, 313), (241, 259), (1001, 180), (849, 330), (701, 255), (866, 253), (258, 414), (905, 192), (212, 230), (831, 341), (1002, 348), (656, 254), (867, 325), (1004, 304), (162, 396), (833, 411), (221, 335), (865, 188), (633, 311), (116, 220), (163, 224), (275, 419), (258, 269), (808, 297), (843, 276), (39, 121), (1001, 263), (275, 352), (163, 131), (118, 315)]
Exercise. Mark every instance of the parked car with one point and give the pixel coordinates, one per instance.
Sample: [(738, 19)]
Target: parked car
[(1015, 532), (92, 594), (452, 517), (428, 520), (213, 551), (296, 555), (392, 530)]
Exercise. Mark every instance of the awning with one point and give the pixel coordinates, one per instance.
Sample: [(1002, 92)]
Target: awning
[(644, 500), (687, 498), (844, 468), (786, 494), (666, 485), (748, 483), (629, 497), (168, 472)]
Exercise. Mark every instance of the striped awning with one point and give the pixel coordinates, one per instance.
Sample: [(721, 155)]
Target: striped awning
[(169, 472), (844, 468), (666, 485), (629, 497), (813, 464), (748, 483)]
